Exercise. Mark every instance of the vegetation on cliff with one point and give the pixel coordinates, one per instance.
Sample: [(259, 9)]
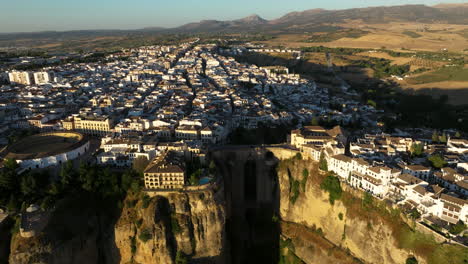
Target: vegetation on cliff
[(362, 207), (331, 184)]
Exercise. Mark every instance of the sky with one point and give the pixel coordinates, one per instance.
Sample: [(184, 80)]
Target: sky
[(61, 15)]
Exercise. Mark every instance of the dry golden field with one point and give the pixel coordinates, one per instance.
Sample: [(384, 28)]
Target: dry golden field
[(433, 37)]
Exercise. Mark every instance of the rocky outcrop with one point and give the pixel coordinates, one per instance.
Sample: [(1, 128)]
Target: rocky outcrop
[(313, 209), (48, 248), (376, 235), (191, 223), (153, 231)]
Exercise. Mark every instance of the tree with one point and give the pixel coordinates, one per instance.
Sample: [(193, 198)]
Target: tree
[(140, 164), (54, 189), (66, 173), (28, 184), (195, 177), (437, 161), (126, 181), (13, 204), (443, 138), (435, 136), (314, 121), (457, 228), (457, 135), (372, 103), (7, 180), (10, 164), (212, 167), (417, 149), (323, 164)]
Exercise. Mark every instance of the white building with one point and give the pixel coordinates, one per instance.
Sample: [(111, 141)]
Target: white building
[(43, 77), (22, 77)]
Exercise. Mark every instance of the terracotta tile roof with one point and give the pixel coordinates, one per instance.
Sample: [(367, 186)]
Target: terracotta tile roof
[(453, 200)]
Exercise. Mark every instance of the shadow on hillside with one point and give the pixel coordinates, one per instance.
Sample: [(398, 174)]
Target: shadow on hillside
[(457, 96)]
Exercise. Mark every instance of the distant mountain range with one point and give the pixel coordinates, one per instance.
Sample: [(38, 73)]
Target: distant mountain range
[(446, 13), (309, 20)]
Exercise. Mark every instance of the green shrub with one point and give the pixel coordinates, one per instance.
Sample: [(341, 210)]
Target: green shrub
[(146, 201), (417, 149), (411, 260), (298, 156), (319, 231), (175, 225), (275, 219), (181, 258), (412, 34), (139, 222), (340, 216), (367, 201), (294, 191), (457, 228), (133, 245), (145, 235), (331, 184), (414, 214), (437, 161), (323, 165)]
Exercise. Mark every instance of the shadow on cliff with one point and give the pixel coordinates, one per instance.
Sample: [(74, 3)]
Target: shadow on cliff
[(163, 215), (82, 230), (5, 239), (252, 201)]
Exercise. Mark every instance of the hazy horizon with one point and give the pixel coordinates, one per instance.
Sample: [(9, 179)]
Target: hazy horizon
[(56, 15)]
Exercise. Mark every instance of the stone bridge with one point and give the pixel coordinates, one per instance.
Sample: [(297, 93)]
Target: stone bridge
[(252, 199)]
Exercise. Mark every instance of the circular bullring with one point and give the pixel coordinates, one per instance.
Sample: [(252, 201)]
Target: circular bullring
[(47, 149)]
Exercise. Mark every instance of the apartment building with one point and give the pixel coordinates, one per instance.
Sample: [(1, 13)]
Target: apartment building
[(43, 77), (187, 132), (316, 135), (21, 77), (419, 171), (91, 125), (166, 171)]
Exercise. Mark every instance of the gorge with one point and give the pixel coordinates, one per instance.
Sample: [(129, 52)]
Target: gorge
[(269, 207)]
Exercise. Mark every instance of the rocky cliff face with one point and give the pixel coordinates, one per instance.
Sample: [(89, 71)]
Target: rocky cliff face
[(312, 209), (143, 232), (377, 234), (189, 223)]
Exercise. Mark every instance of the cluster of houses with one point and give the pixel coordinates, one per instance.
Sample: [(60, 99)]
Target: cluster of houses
[(188, 96), (382, 165), (161, 102)]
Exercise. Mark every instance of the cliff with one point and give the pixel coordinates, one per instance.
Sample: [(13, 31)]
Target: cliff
[(368, 230), (142, 230), (189, 223)]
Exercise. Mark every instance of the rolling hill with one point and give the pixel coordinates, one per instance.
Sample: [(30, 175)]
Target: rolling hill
[(308, 21)]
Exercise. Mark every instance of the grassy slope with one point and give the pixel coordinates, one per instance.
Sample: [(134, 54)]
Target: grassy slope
[(458, 74)]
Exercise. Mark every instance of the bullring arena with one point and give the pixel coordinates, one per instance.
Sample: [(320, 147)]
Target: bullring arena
[(48, 149)]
